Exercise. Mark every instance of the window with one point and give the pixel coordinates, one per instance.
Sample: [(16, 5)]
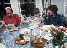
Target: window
[(24, 6), (3, 4), (65, 7), (6, 3)]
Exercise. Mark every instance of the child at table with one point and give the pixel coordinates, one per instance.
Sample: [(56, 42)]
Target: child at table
[(38, 15)]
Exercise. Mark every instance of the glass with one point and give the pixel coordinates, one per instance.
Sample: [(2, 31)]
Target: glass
[(50, 45), (1, 36), (65, 45)]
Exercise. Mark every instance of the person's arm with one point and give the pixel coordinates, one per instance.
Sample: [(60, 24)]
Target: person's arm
[(18, 19), (4, 25), (61, 20), (47, 20)]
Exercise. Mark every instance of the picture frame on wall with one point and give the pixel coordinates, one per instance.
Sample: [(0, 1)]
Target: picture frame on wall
[(46, 3)]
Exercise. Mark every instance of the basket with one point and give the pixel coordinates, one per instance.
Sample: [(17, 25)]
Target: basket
[(38, 44)]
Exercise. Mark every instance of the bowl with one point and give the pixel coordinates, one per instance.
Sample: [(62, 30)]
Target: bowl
[(39, 44)]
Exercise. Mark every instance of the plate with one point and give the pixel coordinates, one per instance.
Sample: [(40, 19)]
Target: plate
[(48, 36), (24, 31), (13, 28), (20, 42), (2, 46), (32, 26), (46, 27)]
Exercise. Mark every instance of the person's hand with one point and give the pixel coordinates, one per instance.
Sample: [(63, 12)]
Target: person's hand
[(22, 21), (40, 24)]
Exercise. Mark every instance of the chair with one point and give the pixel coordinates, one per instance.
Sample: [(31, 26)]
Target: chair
[(65, 21)]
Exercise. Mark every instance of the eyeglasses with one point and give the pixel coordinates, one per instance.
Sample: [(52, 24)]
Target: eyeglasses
[(8, 13)]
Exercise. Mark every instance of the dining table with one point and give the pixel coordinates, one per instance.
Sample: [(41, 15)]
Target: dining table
[(9, 41)]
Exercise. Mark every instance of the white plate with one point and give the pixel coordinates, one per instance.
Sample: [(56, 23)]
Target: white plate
[(24, 31), (48, 36), (14, 28), (46, 27), (2, 46)]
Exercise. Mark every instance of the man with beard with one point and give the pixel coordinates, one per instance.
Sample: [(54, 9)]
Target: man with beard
[(11, 18), (53, 17)]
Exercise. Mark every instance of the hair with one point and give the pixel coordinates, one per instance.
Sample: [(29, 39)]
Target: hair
[(36, 11), (9, 8), (53, 8)]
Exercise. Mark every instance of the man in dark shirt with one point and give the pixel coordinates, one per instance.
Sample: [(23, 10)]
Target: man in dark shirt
[(53, 17)]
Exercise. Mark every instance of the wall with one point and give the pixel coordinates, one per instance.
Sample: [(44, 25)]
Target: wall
[(38, 4), (15, 5), (60, 5)]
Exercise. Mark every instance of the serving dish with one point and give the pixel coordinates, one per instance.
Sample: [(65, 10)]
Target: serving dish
[(38, 44)]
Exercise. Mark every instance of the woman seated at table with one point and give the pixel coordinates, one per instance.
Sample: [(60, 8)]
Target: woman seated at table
[(53, 17), (11, 18), (38, 15)]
